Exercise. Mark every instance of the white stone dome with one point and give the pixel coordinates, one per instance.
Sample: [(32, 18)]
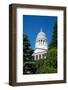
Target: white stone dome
[(41, 41), (41, 36), (41, 46)]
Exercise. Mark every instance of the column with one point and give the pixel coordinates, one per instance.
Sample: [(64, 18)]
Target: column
[(41, 56), (35, 57), (38, 57)]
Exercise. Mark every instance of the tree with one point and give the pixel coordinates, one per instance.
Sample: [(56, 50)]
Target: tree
[(52, 58), (27, 51), (50, 64), (27, 56), (54, 37), (38, 66), (29, 68)]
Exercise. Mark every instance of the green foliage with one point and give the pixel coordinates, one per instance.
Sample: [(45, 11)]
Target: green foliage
[(49, 65), (46, 69), (52, 57), (27, 51), (54, 37), (29, 68), (38, 65)]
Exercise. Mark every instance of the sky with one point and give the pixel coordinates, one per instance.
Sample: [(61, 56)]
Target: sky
[(32, 25)]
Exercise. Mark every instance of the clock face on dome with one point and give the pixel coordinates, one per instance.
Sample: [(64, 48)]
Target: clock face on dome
[(39, 44)]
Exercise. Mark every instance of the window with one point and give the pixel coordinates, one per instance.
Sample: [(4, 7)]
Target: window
[(39, 42), (36, 57), (39, 56), (43, 42), (43, 56)]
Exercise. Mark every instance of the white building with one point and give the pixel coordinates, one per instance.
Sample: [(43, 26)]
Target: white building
[(41, 46)]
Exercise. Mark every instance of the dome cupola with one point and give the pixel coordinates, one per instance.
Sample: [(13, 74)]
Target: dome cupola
[(41, 46), (41, 40), (41, 36)]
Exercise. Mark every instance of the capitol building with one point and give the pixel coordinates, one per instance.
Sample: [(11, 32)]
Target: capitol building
[(41, 46)]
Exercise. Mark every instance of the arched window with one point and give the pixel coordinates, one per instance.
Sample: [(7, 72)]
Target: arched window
[(43, 42), (39, 42)]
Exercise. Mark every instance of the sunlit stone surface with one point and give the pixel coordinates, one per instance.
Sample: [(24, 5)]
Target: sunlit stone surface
[(41, 46)]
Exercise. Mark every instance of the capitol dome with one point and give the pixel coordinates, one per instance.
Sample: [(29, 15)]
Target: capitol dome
[(41, 46), (41, 40), (41, 36)]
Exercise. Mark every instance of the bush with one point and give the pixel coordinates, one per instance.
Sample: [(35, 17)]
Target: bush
[(29, 68), (38, 65), (47, 69), (52, 57), (50, 64)]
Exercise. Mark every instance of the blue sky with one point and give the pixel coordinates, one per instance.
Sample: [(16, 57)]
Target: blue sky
[(33, 24)]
